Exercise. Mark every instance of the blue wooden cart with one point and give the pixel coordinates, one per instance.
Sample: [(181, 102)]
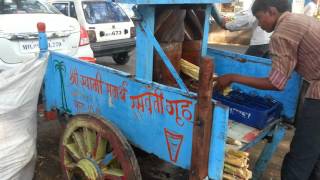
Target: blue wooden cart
[(109, 108)]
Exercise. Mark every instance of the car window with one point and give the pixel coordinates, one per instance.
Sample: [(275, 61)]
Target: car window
[(62, 7), (97, 12), (26, 7), (73, 10), (67, 9)]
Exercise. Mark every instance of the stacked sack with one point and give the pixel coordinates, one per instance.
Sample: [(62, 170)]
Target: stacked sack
[(19, 90)]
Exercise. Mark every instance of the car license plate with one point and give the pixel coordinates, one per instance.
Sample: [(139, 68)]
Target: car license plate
[(33, 45), (114, 33)]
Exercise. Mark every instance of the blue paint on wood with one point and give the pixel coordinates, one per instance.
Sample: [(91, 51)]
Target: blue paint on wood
[(206, 28), (163, 56), (218, 139), (268, 151), (43, 43), (144, 48), (108, 158), (170, 1), (155, 118), (227, 62)]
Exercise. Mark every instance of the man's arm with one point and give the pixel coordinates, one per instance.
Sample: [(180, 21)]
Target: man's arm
[(259, 83), (242, 22)]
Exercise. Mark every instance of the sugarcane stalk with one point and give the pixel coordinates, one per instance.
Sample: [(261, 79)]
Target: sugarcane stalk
[(227, 176), (233, 141), (241, 173), (235, 161), (234, 171), (190, 69), (240, 154)]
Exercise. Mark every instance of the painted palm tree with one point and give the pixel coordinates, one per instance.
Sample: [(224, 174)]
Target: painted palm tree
[(59, 66)]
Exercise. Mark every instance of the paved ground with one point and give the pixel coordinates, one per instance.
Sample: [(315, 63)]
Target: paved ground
[(151, 167)]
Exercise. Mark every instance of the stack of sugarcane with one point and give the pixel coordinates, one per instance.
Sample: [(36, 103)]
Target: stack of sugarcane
[(192, 71), (189, 69), (236, 165)]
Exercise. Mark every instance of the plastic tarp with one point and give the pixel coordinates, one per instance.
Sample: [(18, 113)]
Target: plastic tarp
[(19, 91)]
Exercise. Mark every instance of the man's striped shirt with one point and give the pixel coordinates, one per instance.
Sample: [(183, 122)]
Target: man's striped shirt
[(295, 45)]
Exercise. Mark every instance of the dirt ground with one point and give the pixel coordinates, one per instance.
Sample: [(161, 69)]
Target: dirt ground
[(152, 168), (48, 167)]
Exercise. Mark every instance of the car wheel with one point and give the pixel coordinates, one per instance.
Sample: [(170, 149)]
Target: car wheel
[(121, 58)]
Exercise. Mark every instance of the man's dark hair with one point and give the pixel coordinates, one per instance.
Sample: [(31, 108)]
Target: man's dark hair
[(263, 5)]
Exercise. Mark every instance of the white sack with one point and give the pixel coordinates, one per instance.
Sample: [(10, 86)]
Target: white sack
[(19, 90)]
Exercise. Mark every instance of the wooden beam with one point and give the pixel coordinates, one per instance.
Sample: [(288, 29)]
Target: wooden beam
[(203, 122)]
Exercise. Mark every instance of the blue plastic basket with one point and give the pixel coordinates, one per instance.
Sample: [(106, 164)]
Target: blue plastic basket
[(252, 110)]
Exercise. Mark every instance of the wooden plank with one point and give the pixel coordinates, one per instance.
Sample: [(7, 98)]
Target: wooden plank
[(203, 122)]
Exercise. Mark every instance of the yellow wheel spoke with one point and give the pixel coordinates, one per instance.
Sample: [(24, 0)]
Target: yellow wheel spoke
[(73, 151), (88, 168), (70, 166), (79, 141), (101, 145), (112, 171), (89, 140), (67, 159)]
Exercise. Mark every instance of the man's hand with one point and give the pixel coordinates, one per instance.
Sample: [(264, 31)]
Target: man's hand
[(223, 22), (224, 81)]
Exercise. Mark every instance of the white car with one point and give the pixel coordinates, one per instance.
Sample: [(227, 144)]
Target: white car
[(19, 36), (128, 9), (110, 30)]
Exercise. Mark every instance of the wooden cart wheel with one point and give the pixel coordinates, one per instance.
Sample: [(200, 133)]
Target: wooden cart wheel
[(92, 148)]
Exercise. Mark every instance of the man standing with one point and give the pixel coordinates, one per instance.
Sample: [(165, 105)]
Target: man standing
[(294, 45), (259, 41)]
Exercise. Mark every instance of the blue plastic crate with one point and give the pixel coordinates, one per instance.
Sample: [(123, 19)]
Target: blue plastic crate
[(252, 110)]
